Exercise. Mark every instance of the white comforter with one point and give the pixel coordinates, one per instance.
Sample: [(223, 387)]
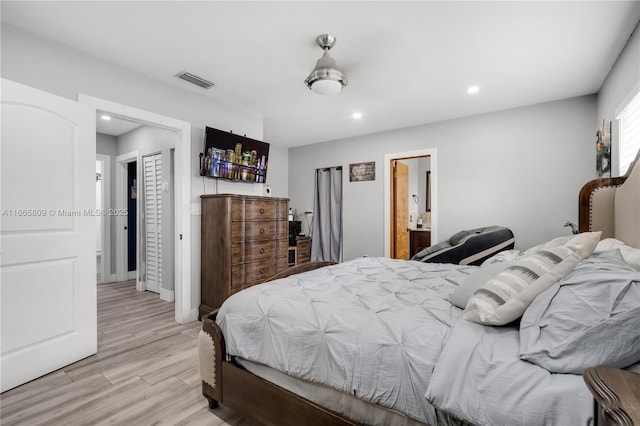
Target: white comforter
[(371, 327)]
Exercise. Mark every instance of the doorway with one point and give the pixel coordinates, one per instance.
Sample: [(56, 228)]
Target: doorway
[(184, 312), (400, 220), (410, 200), (132, 219), (103, 224)]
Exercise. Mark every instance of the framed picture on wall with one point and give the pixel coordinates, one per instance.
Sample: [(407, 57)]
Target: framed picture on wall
[(603, 151), (359, 172)]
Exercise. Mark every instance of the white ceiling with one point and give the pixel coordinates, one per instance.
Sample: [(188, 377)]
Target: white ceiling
[(408, 63), (114, 126)]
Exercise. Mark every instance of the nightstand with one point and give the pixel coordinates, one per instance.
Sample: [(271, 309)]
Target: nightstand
[(301, 252), (616, 396)]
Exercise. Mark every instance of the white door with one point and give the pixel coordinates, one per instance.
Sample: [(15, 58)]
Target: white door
[(47, 233), (153, 220)]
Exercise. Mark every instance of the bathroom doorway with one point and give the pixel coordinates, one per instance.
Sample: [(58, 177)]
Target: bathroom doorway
[(410, 201)]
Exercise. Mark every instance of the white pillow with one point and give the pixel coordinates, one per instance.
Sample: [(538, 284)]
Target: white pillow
[(507, 255), (503, 256), (506, 296), (556, 242), (460, 295), (629, 254)]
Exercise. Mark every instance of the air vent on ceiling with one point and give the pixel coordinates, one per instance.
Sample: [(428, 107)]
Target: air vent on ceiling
[(194, 79)]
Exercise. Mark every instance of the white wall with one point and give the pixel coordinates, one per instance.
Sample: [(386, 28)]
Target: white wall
[(53, 67), (520, 168), (617, 90)]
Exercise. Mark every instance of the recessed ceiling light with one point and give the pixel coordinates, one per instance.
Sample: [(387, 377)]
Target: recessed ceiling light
[(473, 89), (356, 115), (105, 117)]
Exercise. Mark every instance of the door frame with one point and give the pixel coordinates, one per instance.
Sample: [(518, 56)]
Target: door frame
[(105, 237), (427, 152), (122, 192), (184, 312)]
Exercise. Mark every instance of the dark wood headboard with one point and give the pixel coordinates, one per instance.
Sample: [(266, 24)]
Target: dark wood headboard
[(597, 206)]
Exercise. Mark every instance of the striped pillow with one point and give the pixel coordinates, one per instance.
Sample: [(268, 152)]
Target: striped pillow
[(506, 296)]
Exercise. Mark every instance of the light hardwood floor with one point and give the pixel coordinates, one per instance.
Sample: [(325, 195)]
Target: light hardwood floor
[(145, 373)]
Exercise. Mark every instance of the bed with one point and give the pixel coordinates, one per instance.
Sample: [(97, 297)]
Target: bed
[(382, 341)]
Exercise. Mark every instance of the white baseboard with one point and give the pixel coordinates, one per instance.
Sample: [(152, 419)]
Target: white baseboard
[(131, 275), (193, 315), (167, 295), (111, 278)]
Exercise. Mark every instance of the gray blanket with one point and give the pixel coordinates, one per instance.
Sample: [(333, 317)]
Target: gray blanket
[(371, 327)]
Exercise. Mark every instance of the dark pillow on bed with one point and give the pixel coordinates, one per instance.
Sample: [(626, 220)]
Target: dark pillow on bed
[(460, 296), (592, 317)]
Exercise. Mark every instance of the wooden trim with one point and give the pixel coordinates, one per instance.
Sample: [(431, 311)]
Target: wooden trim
[(264, 403), (615, 394), (209, 326), (584, 197), (298, 269)]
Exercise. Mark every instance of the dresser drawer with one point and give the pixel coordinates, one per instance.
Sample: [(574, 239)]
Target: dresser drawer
[(254, 210), (303, 244), (250, 273), (246, 251), (282, 263), (258, 230), (304, 251)]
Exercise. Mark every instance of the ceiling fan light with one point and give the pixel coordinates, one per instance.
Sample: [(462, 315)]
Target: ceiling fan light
[(326, 81), (326, 87), (326, 78)]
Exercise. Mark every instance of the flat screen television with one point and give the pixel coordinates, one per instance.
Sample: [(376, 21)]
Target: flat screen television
[(233, 157)]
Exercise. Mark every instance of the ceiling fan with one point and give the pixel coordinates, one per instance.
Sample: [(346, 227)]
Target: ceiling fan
[(326, 78)]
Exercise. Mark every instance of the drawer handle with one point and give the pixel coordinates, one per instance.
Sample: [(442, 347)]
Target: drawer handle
[(261, 231), (262, 250), (261, 211), (261, 271)]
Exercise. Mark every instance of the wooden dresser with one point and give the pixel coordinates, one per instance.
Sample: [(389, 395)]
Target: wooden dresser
[(244, 240)]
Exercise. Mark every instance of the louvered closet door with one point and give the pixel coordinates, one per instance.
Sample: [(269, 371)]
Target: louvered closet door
[(153, 220)]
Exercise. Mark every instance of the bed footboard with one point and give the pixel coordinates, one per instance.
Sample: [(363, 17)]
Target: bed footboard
[(212, 354), (251, 396), (211, 349)]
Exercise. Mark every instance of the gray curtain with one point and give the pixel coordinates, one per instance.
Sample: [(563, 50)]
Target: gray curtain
[(326, 243)]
